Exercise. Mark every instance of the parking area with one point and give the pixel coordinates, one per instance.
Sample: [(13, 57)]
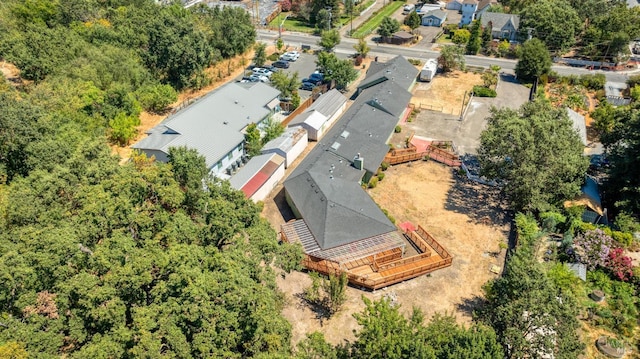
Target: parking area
[(304, 66), (466, 132)]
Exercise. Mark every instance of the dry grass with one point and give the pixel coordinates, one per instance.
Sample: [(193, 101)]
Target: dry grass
[(445, 92), (427, 194)]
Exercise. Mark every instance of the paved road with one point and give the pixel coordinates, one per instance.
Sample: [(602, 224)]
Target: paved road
[(385, 51)]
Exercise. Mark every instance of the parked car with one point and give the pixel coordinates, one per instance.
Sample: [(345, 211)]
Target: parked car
[(262, 71), (291, 56), (316, 76), (308, 86), (281, 64), (258, 78)]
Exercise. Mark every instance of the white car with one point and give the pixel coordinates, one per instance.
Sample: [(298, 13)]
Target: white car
[(290, 56), (261, 71), (258, 78)]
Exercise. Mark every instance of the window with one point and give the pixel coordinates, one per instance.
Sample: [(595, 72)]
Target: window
[(230, 155), (219, 165)]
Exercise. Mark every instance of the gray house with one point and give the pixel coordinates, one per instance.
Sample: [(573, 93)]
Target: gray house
[(214, 126), (503, 26), (338, 220), (434, 18)]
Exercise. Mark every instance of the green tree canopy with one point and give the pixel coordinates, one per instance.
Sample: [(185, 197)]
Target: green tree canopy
[(535, 152), (413, 20), (534, 60), (531, 316), (329, 39), (388, 27), (260, 55), (554, 22), (451, 58), (622, 143)]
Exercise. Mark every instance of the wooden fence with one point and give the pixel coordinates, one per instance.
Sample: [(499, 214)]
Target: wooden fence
[(303, 106), (432, 242), (443, 156)]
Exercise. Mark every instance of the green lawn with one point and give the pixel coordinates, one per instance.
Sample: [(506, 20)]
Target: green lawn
[(291, 24), (374, 21)]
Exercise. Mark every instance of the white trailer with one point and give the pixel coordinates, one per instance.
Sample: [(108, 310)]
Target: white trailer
[(429, 70)]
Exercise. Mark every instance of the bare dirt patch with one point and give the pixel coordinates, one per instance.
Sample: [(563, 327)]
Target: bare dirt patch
[(445, 92), (466, 218)]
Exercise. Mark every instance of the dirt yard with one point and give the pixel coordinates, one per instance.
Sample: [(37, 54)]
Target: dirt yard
[(468, 219), (445, 92)]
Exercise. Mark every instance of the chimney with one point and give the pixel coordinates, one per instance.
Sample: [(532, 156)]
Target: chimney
[(358, 162)]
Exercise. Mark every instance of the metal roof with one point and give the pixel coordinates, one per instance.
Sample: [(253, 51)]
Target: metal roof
[(285, 142), (255, 166), (321, 110), (578, 124), (213, 124)]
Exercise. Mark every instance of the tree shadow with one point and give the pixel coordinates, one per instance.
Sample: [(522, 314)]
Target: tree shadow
[(483, 204), (470, 305), (509, 78), (319, 308)]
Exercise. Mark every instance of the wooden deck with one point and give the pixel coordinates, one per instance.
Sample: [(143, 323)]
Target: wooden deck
[(435, 151), (389, 267)]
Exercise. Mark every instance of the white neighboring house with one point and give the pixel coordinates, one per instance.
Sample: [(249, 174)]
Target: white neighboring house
[(259, 176), (321, 115), (289, 145), (214, 126), (473, 9)]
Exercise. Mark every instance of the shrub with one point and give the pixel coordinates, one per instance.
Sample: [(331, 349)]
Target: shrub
[(273, 57), (156, 98), (620, 265), (373, 182), (415, 62), (482, 91), (592, 248), (380, 176), (398, 129), (285, 5), (384, 166), (593, 82)]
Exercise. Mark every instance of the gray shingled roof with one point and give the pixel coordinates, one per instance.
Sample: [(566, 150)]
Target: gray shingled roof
[(438, 14), (498, 20), (212, 124), (398, 69), (325, 187)]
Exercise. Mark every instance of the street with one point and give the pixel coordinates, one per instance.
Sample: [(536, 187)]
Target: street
[(386, 51)]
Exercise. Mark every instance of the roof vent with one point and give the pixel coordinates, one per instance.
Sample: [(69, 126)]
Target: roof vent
[(236, 101), (330, 176), (226, 122)]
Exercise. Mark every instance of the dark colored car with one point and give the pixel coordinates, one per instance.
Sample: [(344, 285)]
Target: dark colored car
[(308, 86), (281, 64), (316, 77)]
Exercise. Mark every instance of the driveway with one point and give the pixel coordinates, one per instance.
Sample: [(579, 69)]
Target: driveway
[(466, 133), (511, 94)]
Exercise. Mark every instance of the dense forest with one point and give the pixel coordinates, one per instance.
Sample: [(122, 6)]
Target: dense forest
[(101, 260), (106, 260)]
